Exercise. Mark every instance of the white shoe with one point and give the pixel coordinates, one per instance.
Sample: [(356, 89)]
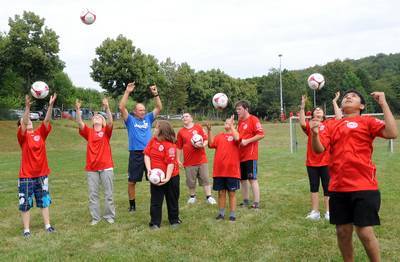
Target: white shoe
[(192, 200), (94, 222), (110, 220), (327, 217), (313, 215), (211, 200)]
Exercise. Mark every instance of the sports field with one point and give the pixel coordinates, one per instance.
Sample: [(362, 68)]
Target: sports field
[(276, 232)]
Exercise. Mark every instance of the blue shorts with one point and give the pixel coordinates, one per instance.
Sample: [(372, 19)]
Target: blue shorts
[(29, 187), (248, 170), (226, 183), (136, 166)]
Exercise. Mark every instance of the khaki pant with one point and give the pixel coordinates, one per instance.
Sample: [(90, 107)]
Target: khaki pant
[(105, 177)]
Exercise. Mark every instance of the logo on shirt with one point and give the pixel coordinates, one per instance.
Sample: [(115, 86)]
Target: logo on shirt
[(36, 138), (258, 126), (100, 134), (352, 125), (145, 125), (379, 121), (171, 152), (161, 148), (321, 128), (194, 132), (245, 126), (230, 138)]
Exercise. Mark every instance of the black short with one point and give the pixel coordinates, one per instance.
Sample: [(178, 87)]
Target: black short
[(315, 173), (226, 183), (136, 167), (359, 208), (248, 170)]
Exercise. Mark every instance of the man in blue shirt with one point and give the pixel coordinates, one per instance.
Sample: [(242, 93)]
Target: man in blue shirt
[(139, 134)]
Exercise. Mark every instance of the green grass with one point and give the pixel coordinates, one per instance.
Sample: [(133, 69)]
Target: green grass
[(277, 232)]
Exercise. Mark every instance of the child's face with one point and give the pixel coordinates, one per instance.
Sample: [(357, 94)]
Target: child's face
[(227, 125), (318, 113), (351, 101)]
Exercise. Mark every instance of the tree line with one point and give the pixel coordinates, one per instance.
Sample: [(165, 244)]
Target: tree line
[(29, 52)]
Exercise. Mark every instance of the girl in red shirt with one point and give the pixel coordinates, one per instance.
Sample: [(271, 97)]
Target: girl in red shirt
[(161, 153), (99, 163)]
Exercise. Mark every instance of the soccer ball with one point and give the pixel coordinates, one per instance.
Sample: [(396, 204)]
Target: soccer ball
[(316, 81), (87, 16), (220, 101), (39, 89), (196, 139), (156, 175)]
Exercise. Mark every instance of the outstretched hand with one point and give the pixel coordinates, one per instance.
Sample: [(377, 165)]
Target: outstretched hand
[(28, 101), (208, 126), (77, 104), (130, 87), (303, 101), (52, 99), (105, 103), (379, 97), (154, 90), (337, 95)]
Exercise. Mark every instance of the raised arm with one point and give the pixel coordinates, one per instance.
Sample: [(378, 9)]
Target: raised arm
[(209, 134), (390, 131), (316, 144), (157, 100), (108, 112), (336, 108), (25, 116), (235, 133), (49, 112), (302, 115), (122, 104), (78, 114)]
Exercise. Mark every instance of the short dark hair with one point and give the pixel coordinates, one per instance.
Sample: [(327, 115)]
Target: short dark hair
[(243, 104), (19, 122), (315, 108), (362, 100)]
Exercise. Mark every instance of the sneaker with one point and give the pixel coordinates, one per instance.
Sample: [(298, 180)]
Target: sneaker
[(254, 206), (94, 222), (110, 220), (192, 200), (327, 216), (244, 204), (154, 227), (50, 230), (313, 215), (176, 225), (27, 234), (211, 200), (132, 209), (220, 217), (232, 219)]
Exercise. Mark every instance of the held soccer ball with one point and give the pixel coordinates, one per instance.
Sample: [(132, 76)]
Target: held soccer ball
[(196, 140), (220, 101), (316, 81), (156, 175), (39, 89), (87, 16)]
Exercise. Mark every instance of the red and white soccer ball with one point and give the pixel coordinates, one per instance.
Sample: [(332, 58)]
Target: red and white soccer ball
[(88, 17), (156, 175), (316, 81), (39, 89), (220, 101), (196, 140)]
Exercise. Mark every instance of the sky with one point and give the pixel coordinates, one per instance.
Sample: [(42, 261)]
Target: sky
[(242, 38)]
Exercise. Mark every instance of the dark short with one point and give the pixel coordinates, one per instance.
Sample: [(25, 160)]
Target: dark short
[(248, 170), (136, 166), (360, 208), (37, 187), (315, 174), (226, 183)]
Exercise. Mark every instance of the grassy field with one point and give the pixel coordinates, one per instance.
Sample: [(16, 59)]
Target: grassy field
[(276, 232)]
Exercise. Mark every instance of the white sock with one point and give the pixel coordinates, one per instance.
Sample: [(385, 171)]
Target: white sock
[(26, 230), (47, 226)]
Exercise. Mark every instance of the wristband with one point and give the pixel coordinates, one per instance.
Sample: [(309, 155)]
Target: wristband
[(156, 95)]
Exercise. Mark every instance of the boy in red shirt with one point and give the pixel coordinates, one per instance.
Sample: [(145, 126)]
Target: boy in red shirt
[(34, 171), (226, 169), (99, 163), (354, 195), (251, 132), (161, 153)]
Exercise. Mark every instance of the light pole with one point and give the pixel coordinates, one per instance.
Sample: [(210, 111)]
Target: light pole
[(280, 85)]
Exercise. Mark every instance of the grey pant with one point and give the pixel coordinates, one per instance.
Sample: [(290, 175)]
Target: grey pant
[(106, 179)]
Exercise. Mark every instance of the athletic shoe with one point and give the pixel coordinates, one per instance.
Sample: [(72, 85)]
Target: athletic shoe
[(27, 234), (313, 215), (110, 220), (176, 224), (94, 222), (211, 200), (154, 227), (132, 209), (192, 200), (232, 219), (243, 204), (50, 230), (254, 206), (220, 217), (327, 216)]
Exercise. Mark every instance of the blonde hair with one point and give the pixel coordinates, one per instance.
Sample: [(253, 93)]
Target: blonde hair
[(102, 118)]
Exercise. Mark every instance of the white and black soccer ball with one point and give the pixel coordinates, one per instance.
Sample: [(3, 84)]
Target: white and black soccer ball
[(196, 140), (316, 81)]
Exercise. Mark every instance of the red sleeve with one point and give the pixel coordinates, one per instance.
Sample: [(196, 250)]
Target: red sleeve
[(258, 127), (21, 136), (147, 149), (307, 129), (179, 140), (109, 131), (170, 154), (214, 144), (375, 126), (84, 132), (202, 133), (325, 138), (44, 131)]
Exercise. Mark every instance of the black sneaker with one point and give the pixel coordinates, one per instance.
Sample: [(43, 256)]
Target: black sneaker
[(232, 219), (220, 217), (27, 234), (132, 209), (50, 230)]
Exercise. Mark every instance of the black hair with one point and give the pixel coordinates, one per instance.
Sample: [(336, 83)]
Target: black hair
[(315, 108), (362, 100)]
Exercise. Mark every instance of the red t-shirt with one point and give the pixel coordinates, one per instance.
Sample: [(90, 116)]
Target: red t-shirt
[(226, 158), (247, 129), (314, 159), (191, 156), (98, 150), (162, 153), (350, 140), (33, 146)]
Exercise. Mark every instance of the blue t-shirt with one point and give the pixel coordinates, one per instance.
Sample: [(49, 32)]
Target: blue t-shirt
[(139, 131)]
